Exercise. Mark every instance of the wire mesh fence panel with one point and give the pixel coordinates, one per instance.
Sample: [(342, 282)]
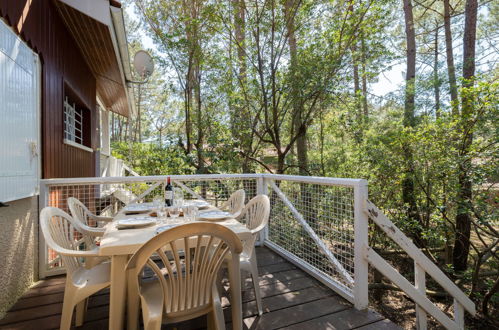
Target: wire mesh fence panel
[(107, 199), (329, 211), (100, 199), (216, 191)]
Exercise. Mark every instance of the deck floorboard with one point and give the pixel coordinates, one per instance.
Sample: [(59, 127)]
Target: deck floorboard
[(291, 299)]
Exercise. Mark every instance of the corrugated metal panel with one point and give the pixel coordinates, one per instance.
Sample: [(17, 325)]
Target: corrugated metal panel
[(19, 113)]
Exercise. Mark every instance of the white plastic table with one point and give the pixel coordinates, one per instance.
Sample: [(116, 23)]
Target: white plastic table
[(121, 244)]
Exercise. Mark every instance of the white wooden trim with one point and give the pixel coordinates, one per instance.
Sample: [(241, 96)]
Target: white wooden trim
[(361, 231), (189, 190), (410, 248), (391, 273), (121, 179), (315, 179), (145, 193), (341, 270), (458, 314), (77, 145), (132, 172), (310, 269), (420, 284), (262, 189)]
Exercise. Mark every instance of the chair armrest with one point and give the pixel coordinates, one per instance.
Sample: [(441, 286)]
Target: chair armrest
[(101, 218), (90, 231), (75, 253), (95, 232), (258, 229)]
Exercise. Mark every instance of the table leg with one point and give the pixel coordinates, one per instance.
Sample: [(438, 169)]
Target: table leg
[(118, 288), (235, 289)]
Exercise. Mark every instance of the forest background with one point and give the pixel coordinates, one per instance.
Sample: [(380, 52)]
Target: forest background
[(286, 86)]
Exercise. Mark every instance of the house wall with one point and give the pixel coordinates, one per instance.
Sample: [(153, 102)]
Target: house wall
[(38, 23), (18, 250)]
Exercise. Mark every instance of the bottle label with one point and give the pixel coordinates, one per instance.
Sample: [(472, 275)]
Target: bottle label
[(168, 194)]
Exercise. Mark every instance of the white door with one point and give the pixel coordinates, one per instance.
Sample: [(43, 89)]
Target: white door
[(19, 117)]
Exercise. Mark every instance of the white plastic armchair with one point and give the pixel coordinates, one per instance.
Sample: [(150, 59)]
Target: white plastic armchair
[(235, 203), (182, 288), (62, 235), (255, 215), (81, 213)]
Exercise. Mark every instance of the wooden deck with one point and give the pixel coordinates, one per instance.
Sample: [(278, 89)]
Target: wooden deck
[(291, 299)]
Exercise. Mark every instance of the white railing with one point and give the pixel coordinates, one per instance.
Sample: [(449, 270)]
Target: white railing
[(319, 224)]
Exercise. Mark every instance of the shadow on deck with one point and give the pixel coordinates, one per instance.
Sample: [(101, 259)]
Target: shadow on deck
[(291, 299)]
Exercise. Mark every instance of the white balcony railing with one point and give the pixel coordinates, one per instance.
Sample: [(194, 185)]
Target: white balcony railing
[(319, 224)]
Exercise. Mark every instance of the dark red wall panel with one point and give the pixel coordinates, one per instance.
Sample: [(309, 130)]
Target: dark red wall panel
[(39, 24)]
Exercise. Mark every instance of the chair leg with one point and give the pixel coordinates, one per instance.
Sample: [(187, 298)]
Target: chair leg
[(256, 285), (67, 309), (216, 316), (81, 308), (133, 303)]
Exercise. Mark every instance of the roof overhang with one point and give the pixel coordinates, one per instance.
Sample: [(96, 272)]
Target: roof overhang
[(98, 29)]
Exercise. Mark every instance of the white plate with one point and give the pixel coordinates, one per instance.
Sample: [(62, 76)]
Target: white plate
[(161, 229), (214, 215), (135, 222), (198, 203), (145, 207)]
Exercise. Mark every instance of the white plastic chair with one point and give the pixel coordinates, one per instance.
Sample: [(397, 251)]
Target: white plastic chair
[(62, 235), (182, 288), (81, 213), (235, 204), (255, 216)]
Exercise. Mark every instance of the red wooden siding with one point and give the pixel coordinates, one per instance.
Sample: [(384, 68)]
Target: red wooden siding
[(39, 24)]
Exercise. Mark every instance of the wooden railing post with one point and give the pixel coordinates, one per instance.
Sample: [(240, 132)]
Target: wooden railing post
[(458, 314), (262, 188), (420, 284), (361, 224)]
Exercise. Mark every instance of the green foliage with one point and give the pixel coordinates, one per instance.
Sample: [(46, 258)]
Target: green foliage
[(150, 159)]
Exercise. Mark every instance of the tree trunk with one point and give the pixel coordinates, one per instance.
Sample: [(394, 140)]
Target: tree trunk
[(436, 80), (464, 197), (241, 116), (451, 69), (408, 193), (300, 126), (364, 78)]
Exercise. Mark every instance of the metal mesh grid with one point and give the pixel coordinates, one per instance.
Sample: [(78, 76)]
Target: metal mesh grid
[(101, 199), (109, 199), (329, 211), (217, 191)]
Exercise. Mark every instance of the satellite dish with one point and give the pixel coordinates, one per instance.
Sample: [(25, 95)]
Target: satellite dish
[(143, 64)]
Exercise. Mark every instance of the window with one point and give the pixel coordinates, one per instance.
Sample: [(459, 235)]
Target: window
[(73, 122), (77, 121)]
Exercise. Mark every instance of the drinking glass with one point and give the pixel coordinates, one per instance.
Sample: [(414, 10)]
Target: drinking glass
[(174, 211), (157, 202), (178, 197), (191, 213), (162, 212)]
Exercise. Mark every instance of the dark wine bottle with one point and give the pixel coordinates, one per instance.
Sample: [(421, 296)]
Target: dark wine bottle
[(168, 193)]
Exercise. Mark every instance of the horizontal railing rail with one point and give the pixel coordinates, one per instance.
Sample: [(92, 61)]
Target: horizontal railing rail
[(423, 265), (320, 224)]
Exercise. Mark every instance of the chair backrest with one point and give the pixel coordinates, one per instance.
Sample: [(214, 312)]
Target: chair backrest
[(255, 216), (82, 214), (235, 203), (187, 281), (60, 233), (79, 211)]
